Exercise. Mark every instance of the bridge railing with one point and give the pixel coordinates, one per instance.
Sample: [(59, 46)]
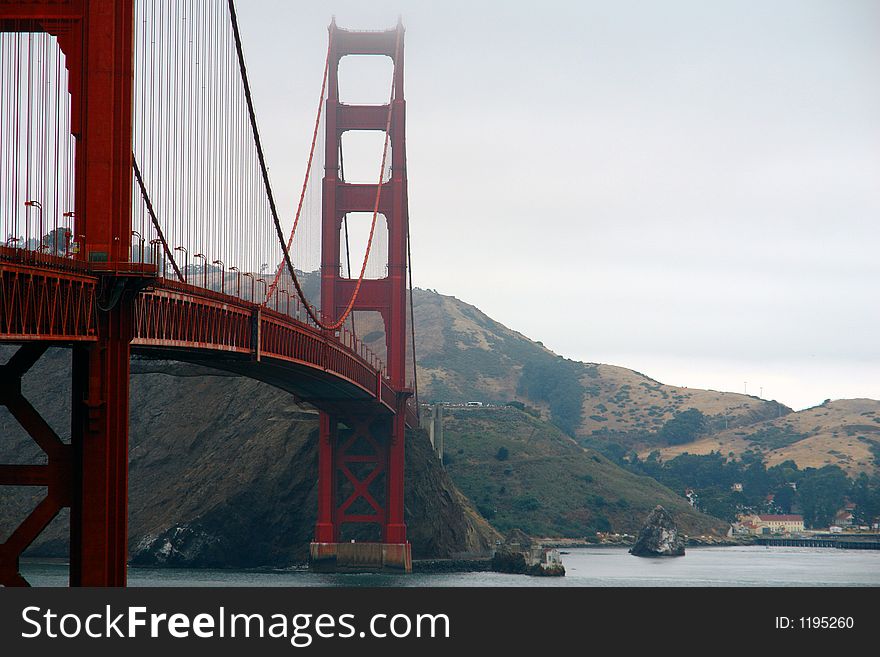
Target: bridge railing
[(175, 315), (170, 318), (39, 302)]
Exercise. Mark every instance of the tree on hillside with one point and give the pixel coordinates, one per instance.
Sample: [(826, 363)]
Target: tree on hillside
[(784, 498), (685, 427), (822, 492), (556, 380), (866, 495)]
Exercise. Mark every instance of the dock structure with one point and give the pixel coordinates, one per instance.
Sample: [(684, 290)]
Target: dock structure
[(841, 543)]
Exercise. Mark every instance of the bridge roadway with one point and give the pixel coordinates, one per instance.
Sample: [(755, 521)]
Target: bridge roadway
[(49, 299)]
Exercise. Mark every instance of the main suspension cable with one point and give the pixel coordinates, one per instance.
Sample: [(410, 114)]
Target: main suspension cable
[(154, 219)]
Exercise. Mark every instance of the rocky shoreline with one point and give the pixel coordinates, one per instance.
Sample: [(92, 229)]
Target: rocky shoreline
[(624, 540), (452, 565)]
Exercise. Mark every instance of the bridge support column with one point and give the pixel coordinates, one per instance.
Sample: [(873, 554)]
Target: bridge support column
[(91, 474), (99, 437), (360, 525), (395, 529), (326, 529)]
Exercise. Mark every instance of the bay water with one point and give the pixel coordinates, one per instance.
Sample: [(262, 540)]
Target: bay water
[(597, 567)]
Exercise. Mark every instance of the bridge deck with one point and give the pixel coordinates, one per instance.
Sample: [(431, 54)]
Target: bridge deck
[(50, 299)]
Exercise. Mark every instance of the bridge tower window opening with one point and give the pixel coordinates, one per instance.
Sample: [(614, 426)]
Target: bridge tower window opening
[(358, 235), (360, 156), (365, 79)]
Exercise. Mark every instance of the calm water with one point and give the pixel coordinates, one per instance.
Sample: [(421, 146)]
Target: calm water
[(719, 566)]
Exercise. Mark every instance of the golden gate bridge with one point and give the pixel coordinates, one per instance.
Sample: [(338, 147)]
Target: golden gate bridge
[(138, 217)]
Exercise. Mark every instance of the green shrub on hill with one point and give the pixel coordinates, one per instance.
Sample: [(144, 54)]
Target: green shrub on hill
[(556, 380)]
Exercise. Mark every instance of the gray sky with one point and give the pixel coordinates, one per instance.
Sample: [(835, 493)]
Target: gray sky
[(687, 188)]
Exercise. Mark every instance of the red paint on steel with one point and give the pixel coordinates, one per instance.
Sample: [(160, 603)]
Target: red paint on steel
[(37, 303), (64, 305), (99, 513)]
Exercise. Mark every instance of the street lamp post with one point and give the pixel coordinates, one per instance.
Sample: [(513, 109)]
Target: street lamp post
[(155, 244), (261, 280), (222, 275), (68, 231), (250, 276), (140, 237), (205, 270), (185, 260), (39, 206), (287, 305), (12, 240), (237, 281)]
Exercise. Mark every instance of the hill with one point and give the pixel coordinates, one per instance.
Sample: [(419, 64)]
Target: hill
[(844, 432), (523, 472), (465, 355)]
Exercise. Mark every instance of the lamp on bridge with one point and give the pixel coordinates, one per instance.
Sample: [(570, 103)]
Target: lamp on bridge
[(263, 281), (69, 216), (287, 295), (39, 206), (222, 275), (140, 237), (12, 240), (185, 260), (205, 270), (237, 281), (155, 244), (250, 276)]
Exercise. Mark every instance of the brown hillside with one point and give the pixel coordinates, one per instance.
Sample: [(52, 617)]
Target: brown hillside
[(841, 432), (465, 355)]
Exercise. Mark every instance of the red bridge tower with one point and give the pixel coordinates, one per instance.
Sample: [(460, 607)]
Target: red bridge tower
[(355, 459), (89, 475)]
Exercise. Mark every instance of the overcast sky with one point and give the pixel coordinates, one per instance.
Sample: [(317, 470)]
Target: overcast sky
[(687, 188)]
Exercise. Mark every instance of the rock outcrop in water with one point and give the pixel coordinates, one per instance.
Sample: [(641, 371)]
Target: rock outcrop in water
[(519, 555), (659, 537)]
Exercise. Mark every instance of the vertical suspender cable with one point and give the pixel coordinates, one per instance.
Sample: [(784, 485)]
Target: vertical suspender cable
[(412, 321), (262, 159)]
